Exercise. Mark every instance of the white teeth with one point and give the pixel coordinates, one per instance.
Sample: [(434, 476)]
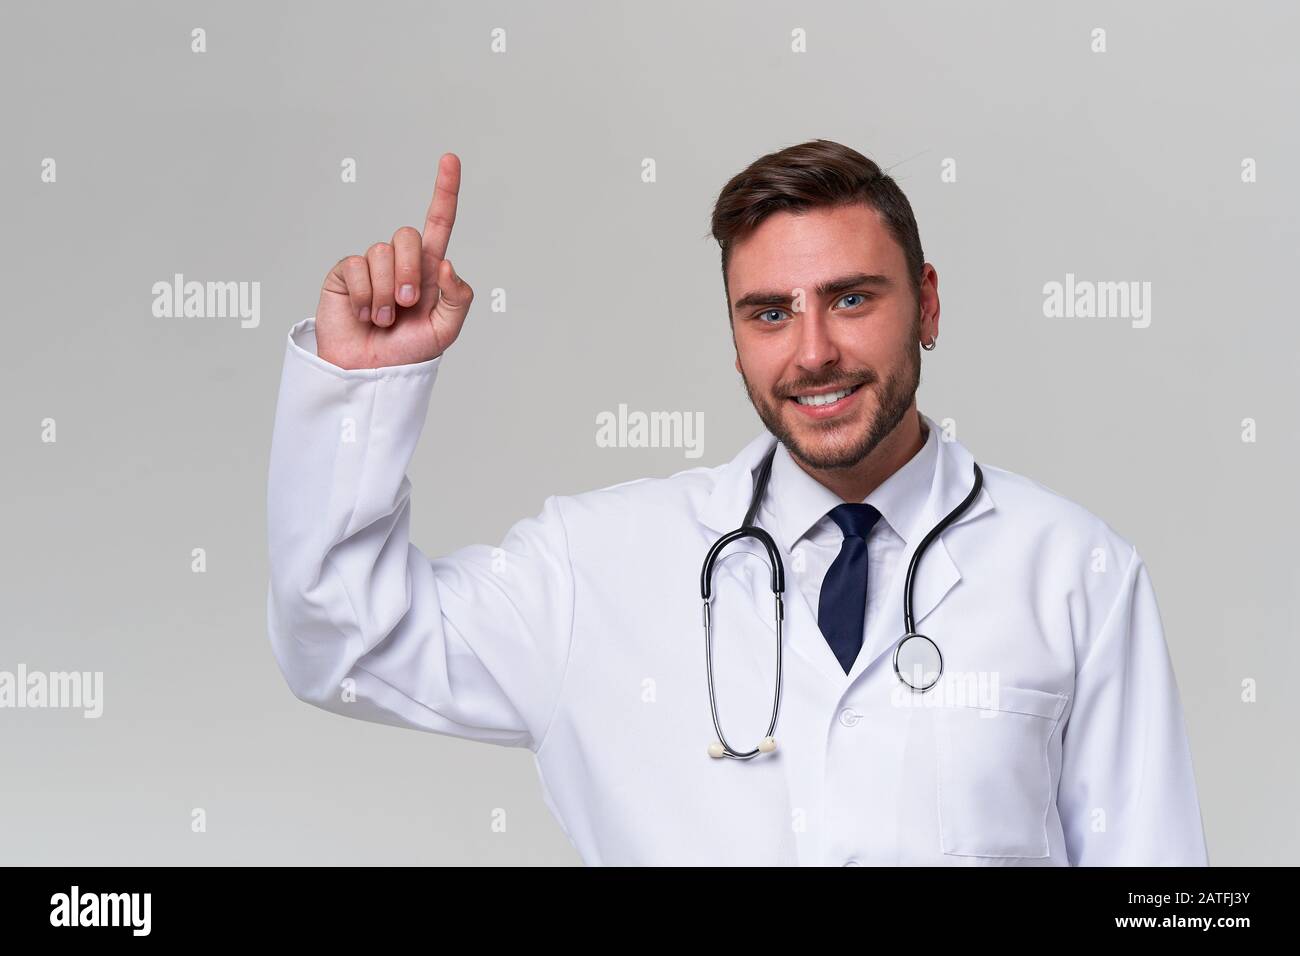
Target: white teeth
[(826, 399)]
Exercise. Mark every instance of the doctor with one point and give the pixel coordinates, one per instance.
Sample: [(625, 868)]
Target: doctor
[(1051, 733)]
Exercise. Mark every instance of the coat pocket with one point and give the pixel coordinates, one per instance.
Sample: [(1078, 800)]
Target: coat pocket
[(994, 778)]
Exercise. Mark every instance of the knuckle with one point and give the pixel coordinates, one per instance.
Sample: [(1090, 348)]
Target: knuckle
[(379, 249)]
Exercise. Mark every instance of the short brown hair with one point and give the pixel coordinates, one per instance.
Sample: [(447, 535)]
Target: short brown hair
[(815, 174)]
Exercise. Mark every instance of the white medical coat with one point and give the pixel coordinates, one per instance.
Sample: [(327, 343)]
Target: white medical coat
[(580, 638)]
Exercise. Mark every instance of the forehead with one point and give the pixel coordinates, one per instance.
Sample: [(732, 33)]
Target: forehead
[(796, 250)]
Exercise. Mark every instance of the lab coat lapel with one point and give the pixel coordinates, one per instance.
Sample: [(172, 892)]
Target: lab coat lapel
[(937, 573), (724, 508), (800, 633), (723, 511)]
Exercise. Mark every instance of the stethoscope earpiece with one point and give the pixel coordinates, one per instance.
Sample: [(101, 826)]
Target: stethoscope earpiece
[(717, 751), (918, 663)]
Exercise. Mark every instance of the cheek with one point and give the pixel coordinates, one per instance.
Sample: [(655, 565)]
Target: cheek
[(760, 361), (882, 351)]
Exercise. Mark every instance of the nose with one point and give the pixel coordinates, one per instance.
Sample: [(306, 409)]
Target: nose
[(816, 349)]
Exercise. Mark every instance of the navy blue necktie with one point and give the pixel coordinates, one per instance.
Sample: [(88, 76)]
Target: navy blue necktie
[(842, 609)]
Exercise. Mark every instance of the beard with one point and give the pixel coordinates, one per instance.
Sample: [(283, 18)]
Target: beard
[(893, 399)]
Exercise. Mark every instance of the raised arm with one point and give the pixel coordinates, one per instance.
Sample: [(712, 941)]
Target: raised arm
[(362, 623)]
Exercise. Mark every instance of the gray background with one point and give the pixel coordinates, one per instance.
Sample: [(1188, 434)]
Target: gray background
[(224, 166)]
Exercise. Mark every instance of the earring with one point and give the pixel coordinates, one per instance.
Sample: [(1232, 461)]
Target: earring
[(929, 347)]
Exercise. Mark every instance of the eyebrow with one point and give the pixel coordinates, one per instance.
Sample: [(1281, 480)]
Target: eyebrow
[(827, 288)]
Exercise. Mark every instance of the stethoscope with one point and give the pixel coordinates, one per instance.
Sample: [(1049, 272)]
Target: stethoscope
[(917, 661)]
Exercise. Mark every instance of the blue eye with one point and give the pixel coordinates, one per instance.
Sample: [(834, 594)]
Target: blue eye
[(779, 313), (851, 295)]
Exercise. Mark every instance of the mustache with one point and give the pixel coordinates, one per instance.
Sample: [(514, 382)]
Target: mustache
[(803, 384)]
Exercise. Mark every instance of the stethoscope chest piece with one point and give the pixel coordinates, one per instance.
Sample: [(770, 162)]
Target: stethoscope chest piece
[(917, 661)]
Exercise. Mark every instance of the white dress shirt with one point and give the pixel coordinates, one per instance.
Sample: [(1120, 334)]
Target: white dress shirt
[(795, 511)]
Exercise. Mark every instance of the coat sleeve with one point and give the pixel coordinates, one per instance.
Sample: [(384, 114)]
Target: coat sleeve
[(473, 644), (1127, 793)]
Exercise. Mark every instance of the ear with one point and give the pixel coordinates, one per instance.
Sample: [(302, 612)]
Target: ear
[(929, 303)]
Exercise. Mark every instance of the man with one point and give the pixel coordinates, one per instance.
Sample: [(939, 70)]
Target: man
[(580, 637)]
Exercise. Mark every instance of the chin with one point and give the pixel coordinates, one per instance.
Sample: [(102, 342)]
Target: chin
[(828, 447)]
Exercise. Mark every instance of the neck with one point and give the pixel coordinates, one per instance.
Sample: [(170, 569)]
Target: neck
[(894, 451)]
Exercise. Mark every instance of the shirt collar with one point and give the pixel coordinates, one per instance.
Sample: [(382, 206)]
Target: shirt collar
[(797, 501)]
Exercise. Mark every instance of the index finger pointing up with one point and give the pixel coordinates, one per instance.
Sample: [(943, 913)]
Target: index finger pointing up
[(442, 208)]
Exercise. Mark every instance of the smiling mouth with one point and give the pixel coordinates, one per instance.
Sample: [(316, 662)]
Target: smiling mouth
[(829, 398)]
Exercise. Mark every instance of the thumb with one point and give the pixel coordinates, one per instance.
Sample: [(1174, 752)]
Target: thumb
[(454, 298)]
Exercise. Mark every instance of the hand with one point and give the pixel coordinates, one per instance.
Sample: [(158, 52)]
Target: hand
[(364, 320)]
